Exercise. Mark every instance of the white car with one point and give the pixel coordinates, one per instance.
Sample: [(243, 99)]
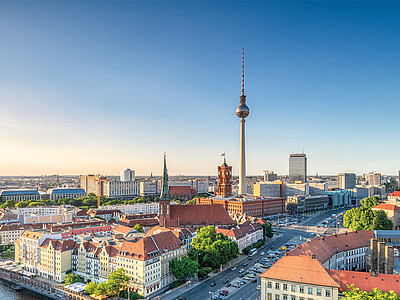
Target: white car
[(233, 268), (262, 253)]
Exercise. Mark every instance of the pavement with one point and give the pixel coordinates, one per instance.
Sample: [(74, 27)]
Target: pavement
[(295, 233)]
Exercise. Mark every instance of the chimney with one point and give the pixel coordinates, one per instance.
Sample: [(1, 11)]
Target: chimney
[(374, 255), (345, 233), (374, 273), (389, 259), (314, 256), (381, 257)]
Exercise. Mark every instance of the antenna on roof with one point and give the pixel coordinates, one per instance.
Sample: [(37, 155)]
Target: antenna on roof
[(242, 71)]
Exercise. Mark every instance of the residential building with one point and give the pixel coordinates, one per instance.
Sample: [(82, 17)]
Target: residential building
[(121, 189), (66, 193), (296, 189), (394, 198), (298, 167), (245, 234), (93, 184), (20, 195), (55, 258), (65, 217), (127, 175), (346, 181), (304, 277), (105, 214), (9, 234), (392, 212), (186, 235), (133, 209), (38, 210), (148, 188)]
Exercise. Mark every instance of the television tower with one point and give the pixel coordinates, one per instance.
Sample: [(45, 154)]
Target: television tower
[(242, 112)]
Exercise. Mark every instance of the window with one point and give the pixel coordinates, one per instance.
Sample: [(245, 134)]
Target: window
[(285, 297), (310, 290), (302, 289), (277, 286), (269, 284), (328, 293), (293, 298), (293, 289), (319, 292), (269, 296), (285, 287), (276, 297)]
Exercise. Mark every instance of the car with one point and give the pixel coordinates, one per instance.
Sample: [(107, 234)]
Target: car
[(222, 293), (241, 270), (254, 281), (225, 291), (236, 285), (226, 280), (250, 258), (228, 284), (241, 275), (259, 287), (245, 264), (212, 284), (233, 268), (262, 253)]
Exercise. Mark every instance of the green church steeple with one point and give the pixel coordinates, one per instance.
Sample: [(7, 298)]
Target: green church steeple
[(164, 190)]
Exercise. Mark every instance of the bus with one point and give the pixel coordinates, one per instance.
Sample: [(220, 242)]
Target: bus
[(252, 252)]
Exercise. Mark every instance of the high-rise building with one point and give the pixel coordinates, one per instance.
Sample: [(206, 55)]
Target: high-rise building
[(374, 178), (298, 167), (346, 181), (127, 175), (242, 112)]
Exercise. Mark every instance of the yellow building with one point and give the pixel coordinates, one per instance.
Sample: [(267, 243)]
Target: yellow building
[(55, 258)]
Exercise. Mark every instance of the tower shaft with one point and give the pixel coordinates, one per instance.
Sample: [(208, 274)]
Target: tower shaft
[(242, 167)]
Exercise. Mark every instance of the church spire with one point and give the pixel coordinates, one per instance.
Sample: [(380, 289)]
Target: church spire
[(164, 190)]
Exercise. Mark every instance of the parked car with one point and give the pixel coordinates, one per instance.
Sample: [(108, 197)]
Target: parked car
[(213, 284), (226, 280), (254, 281), (233, 268), (228, 284)]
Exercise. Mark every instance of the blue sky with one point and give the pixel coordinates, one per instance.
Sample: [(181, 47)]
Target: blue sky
[(94, 87)]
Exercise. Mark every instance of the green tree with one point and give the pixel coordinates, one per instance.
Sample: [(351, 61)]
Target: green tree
[(203, 272), (117, 281), (102, 289), (370, 202), (22, 204), (191, 201), (91, 288), (72, 278), (267, 230), (139, 228), (354, 293), (212, 249), (381, 221), (8, 203), (183, 268)]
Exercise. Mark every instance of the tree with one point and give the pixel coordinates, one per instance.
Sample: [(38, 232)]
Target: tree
[(354, 293), (91, 288), (381, 221), (191, 201), (183, 268), (102, 289), (72, 278), (117, 281), (22, 204), (139, 228), (267, 230), (212, 249), (8, 203), (370, 202), (203, 272)]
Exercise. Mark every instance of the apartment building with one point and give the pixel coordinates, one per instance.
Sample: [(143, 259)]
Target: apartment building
[(186, 235), (55, 258), (9, 234), (244, 234)]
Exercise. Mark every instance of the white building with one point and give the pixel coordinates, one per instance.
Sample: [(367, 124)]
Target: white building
[(133, 209), (115, 189), (127, 175)]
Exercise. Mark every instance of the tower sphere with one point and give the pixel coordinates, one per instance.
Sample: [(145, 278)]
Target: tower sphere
[(242, 111)]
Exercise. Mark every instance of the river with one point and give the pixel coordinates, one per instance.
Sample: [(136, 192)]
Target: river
[(7, 293)]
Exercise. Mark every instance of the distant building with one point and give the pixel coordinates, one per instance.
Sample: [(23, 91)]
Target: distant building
[(101, 185), (346, 181), (133, 209), (317, 188), (296, 189), (270, 176), (224, 180), (392, 212), (394, 198), (374, 178), (64, 193), (127, 175), (340, 198), (20, 195), (298, 167), (301, 204)]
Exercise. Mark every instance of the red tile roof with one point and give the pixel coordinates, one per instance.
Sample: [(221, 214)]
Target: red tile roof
[(300, 268), (199, 215), (122, 229), (59, 245), (395, 194), (386, 206), (365, 282), (325, 247), (241, 230)]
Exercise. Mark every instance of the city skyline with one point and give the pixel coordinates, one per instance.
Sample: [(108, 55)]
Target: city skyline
[(100, 87)]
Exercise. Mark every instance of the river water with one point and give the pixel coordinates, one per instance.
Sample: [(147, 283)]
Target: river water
[(7, 293)]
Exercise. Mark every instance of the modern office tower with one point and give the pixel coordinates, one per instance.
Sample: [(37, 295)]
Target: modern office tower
[(270, 176), (374, 178), (242, 112), (298, 167), (127, 175), (346, 181)]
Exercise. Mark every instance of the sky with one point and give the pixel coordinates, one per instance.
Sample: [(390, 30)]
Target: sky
[(96, 87)]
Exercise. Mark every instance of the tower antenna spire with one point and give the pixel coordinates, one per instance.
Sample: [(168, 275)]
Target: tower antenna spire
[(242, 71)]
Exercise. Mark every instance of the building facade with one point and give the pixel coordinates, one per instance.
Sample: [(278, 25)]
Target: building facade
[(127, 175), (66, 193), (346, 181), (20, 195), (298, 167)]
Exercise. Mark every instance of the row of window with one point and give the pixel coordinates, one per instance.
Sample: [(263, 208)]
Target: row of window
[(286, 297), (300, 289)]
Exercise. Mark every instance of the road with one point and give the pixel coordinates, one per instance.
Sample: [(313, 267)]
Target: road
[(249, 291)]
